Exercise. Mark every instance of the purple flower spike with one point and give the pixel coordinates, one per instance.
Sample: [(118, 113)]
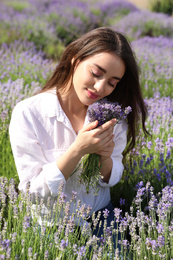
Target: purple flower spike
[(104, 110)]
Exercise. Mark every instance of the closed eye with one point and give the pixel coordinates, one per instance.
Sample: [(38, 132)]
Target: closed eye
[(112, 85), (95, 75)]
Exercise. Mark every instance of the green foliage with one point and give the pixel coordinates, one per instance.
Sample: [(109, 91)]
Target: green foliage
[(162, 6), (147, 163), (52, 47), (7, 165), (54, 50), (66, 34), (9, 34), (134, 173), (23, 238), (39, 38), (161, 85), (77, 13), (96, 11), (154, 29), (18, 6), (28, 240)]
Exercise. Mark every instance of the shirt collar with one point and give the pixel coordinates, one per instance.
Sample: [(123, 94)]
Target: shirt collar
[(53, 108), (52, 105)]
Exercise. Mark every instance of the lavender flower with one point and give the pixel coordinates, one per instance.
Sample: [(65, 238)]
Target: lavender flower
[(26, 224), (5, 244), (103, 111), (117, 214), (125, 243), (46, 254), (81, 252), (161, 241), (122, 202), (160, 228), (30, 252), (63, 244), (105, 213)]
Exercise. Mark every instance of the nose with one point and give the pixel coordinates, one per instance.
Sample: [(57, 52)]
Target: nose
[(99, 86)]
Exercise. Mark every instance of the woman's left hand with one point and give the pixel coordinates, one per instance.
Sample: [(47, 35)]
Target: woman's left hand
[(106, 153)]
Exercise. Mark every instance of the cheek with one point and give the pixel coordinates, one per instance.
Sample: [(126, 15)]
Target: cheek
[(86, 79), (82, 77), (109, 90)]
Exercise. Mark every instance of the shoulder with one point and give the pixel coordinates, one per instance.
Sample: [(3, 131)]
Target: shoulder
[(42, 104), (120, 127)]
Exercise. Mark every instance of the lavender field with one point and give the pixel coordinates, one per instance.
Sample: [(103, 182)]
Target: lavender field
[(33, 34)]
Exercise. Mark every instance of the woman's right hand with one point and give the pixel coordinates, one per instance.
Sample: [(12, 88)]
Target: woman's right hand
[(91, 139), (97, 140)]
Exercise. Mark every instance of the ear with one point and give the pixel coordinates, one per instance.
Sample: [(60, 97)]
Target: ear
[(72, 61)]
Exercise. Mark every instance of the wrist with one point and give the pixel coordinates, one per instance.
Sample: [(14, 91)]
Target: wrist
[(79, 148), (105, 159), (106, 168), (75, 151)]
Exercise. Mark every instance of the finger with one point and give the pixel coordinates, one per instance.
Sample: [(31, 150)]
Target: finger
[(106, 135), (105, 153), (107, 125), (107, 141), (89, 126), (107, 147), (107, 150)]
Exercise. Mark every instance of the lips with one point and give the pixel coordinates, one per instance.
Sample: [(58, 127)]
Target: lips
[(92, 95)]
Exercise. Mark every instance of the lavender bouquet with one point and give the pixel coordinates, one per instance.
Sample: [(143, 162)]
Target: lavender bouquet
[(103, 111)]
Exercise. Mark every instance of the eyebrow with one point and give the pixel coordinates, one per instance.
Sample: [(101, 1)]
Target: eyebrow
[(100, 68)]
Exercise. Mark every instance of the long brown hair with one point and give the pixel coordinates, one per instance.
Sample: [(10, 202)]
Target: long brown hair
[(127, 91)]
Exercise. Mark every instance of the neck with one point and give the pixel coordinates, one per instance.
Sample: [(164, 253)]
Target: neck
[(70, 102), (73, 109)]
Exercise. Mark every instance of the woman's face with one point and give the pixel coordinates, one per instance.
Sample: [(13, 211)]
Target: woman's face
[(97, 76)]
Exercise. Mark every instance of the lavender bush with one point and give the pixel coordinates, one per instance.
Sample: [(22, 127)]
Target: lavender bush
[(162, 6), (151, 234), (50, 25), (22, 60), (11, 93), (155, 58), (112, 10), (144, 23), (151, 160), (21, 237), (27, 25), (53, 24), (9, 99)]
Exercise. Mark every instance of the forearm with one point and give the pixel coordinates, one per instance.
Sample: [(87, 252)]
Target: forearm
[(68, 161), (106, 168)]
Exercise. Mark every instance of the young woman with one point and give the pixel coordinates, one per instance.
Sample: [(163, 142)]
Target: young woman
[(50, 131)]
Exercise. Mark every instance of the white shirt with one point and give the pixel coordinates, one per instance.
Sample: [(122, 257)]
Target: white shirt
[(40, 132)]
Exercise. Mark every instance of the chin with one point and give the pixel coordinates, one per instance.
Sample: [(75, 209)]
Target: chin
[(86, 101)]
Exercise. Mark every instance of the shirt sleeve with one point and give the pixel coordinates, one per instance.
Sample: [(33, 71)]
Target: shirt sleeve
[(32, 167), (120, 139)]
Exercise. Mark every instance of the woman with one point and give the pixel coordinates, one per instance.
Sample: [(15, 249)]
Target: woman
[(50, 131)]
